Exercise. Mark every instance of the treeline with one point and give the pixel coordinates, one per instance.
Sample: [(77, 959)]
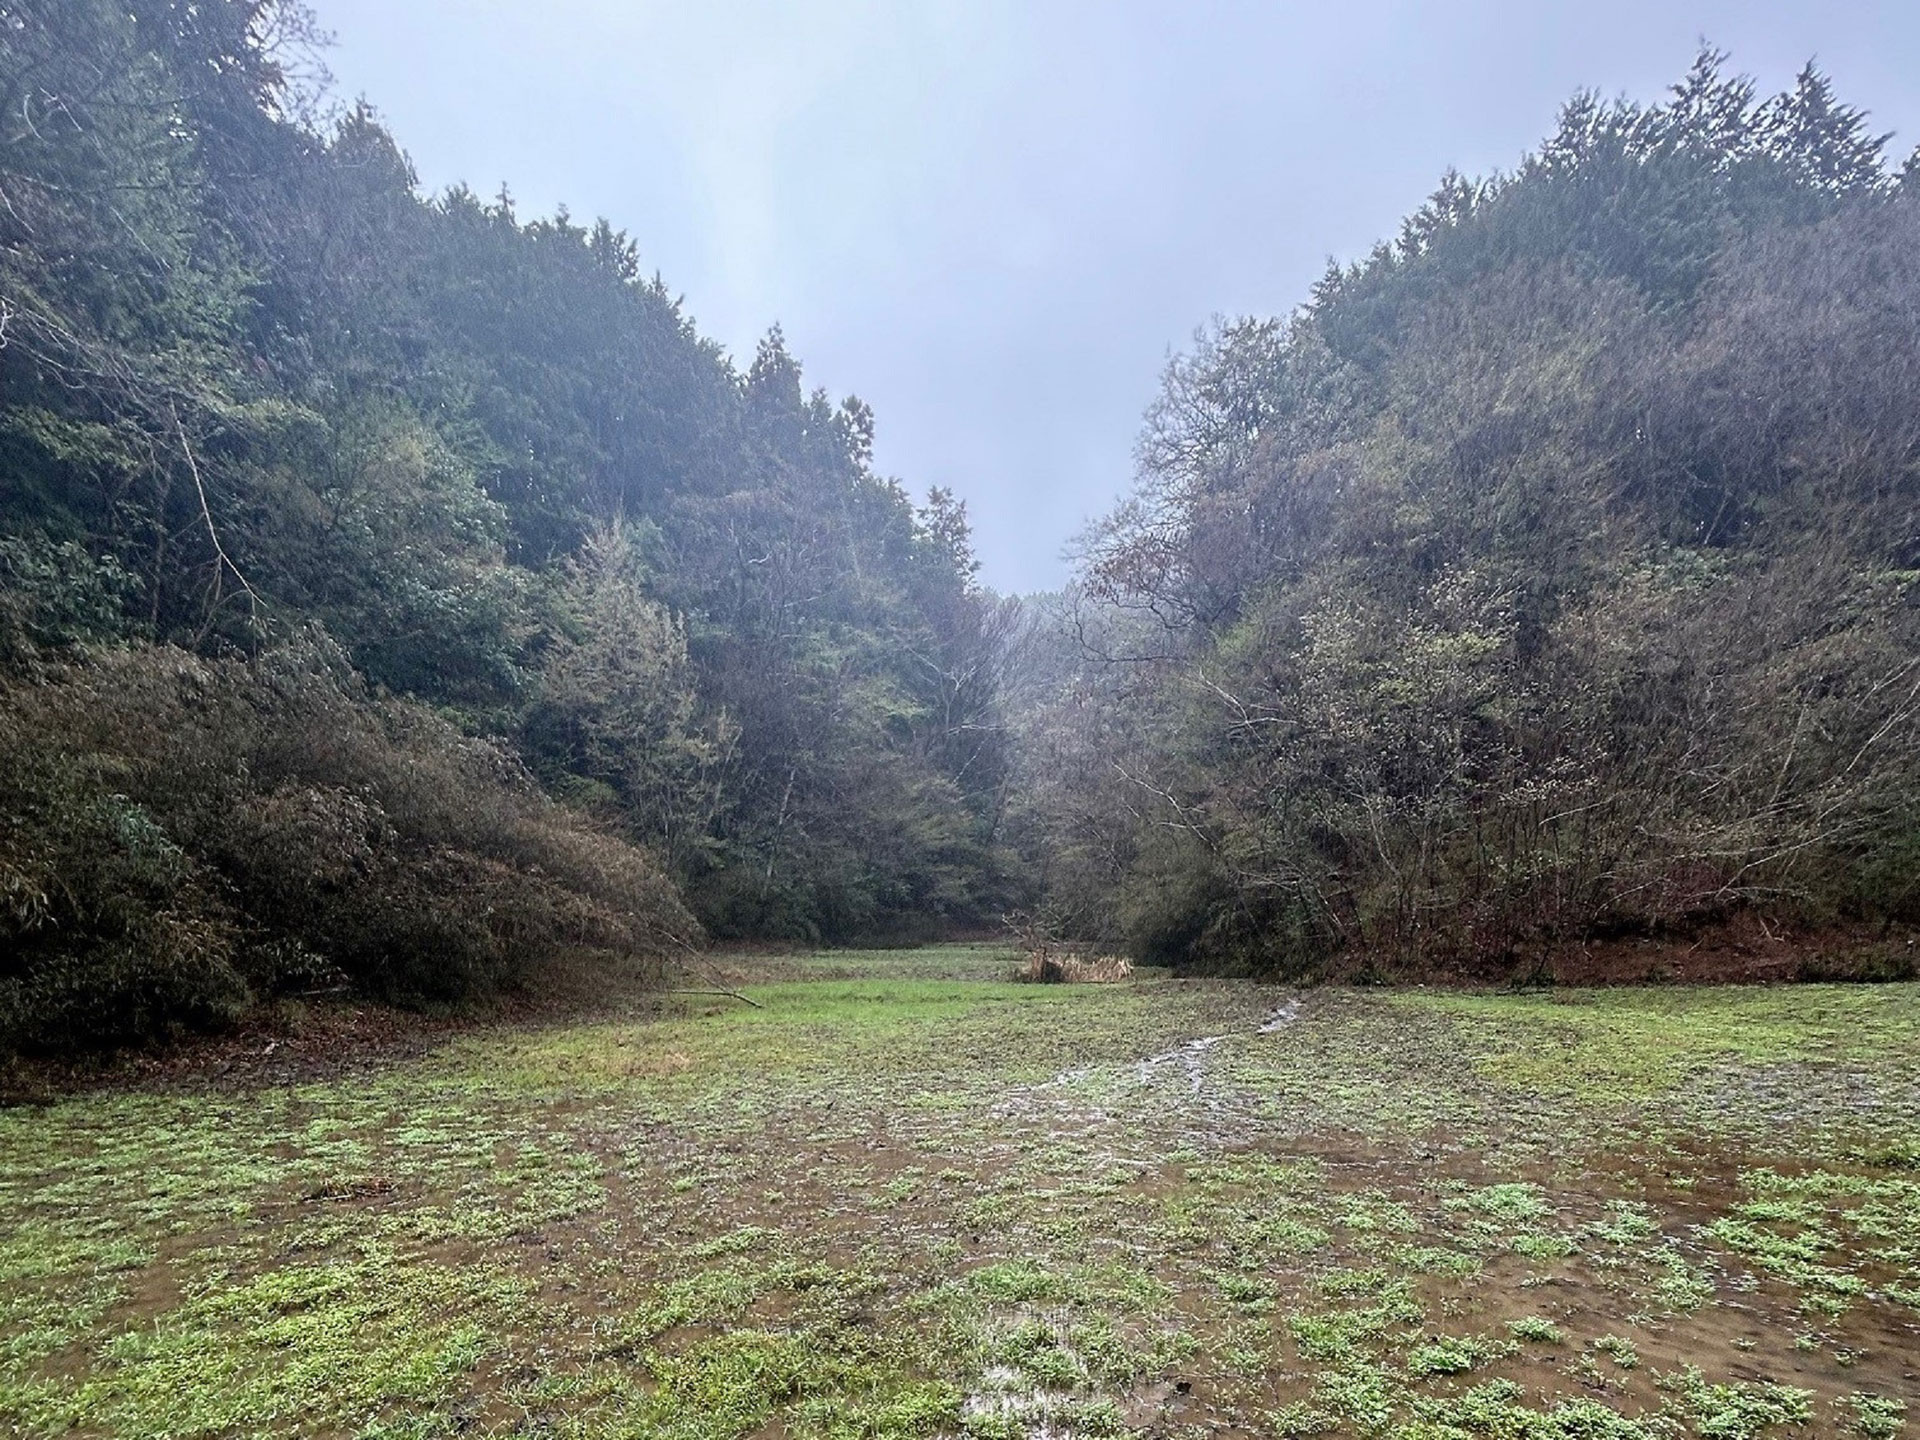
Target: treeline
[(396, 592), (1551, 575)]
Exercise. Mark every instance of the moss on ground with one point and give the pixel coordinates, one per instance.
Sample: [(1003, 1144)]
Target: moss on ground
[(910, 1198)]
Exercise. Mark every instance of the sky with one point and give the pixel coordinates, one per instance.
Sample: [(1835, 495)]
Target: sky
[(996, 220)]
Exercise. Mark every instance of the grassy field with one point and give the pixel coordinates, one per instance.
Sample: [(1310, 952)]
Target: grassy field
[(908, 1198)]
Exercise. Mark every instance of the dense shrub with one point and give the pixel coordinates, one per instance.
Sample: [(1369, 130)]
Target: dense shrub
[(180, 836)]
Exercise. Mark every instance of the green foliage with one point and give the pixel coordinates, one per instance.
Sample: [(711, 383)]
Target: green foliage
[(1877, 1417), (616, 714), (1535, 1330), (53, 596), (360, 1337), (1453, 1355), (1736, 1411)]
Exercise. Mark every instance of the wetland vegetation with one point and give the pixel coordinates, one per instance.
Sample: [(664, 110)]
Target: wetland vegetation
[(908, 1197)]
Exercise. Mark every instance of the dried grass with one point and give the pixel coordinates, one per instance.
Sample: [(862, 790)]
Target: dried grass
[(1045, 967)]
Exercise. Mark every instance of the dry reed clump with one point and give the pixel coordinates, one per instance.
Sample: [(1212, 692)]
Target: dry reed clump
[(1045, 967)]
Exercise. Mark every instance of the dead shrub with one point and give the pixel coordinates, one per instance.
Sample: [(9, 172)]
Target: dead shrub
[(1042, 968), (1097, 970), (1051, 967)]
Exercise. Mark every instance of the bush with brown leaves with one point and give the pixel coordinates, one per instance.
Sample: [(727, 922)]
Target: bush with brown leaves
[(180, 837)]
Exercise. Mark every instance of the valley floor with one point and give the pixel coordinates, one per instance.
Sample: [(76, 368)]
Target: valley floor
[(909, 1198)]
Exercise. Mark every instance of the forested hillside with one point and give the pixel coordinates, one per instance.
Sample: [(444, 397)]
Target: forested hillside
[(398, 592), (1551, 575)]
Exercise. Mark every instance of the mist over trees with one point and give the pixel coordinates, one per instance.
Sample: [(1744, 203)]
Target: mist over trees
[(398, 593), (1552, 574)]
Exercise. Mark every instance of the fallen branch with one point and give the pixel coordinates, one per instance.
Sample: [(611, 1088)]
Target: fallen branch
[(690, 958), (730, 994)]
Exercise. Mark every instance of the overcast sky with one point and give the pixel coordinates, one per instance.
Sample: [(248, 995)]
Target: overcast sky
[(994, 219)]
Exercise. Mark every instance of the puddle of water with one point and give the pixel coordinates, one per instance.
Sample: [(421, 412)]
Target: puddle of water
[(1191, 1055), (1281, 1018), (1076, 1104), (1006, 1396)]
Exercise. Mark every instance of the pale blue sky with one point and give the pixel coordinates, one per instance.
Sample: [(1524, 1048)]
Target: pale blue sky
[(994, 220)]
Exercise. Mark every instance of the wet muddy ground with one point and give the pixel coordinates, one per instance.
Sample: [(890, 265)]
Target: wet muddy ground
[(909, 1198)]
